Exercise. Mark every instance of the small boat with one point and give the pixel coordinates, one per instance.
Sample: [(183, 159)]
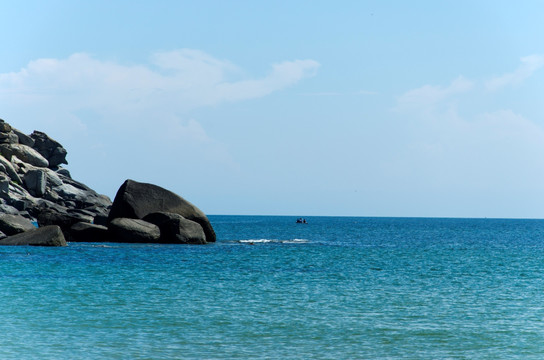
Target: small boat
[(301, 221)]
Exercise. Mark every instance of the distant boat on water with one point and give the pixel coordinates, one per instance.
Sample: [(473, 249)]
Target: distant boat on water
[(301, 221)]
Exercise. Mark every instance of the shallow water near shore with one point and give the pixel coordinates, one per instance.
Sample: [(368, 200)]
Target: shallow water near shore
[(334, 288)]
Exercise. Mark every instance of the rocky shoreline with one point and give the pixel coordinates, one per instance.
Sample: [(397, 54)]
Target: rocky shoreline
[(35, 188)]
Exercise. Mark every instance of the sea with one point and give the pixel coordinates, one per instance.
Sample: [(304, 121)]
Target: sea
[(269, 288)]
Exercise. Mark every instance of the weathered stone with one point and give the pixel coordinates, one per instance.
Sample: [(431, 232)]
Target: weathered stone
[(136, 200), (85, 232), (49, 148), (44, 236), (4, 126), (63, 219), (25, 153), (53, 179), (35, 181), (23, 138), (30, 185), (101, 219), (9, 138), (69, 192), (64, 172), (4, 184), (134, 231), (7, 209), (14, 224), (10, 170), (175, 229)]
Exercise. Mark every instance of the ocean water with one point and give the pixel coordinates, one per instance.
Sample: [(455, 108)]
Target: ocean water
[(335, 288)]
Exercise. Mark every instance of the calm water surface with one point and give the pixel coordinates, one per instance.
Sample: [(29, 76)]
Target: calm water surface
[(336, 288)]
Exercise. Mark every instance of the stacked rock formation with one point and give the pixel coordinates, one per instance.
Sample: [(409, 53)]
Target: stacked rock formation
[(153, 214), (34, 187)]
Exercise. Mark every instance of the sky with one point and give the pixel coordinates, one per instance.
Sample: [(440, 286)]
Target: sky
[(303, 108)]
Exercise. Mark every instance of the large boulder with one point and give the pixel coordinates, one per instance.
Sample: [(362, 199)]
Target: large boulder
[(7, 167), (85, 232), (49, 148), (35, 181), (63, 219), (25, 153), (44, 236), (175, 229), (9, 138), (134, 231), (23, 138), (14, 224), (136, 200), (4, 127)]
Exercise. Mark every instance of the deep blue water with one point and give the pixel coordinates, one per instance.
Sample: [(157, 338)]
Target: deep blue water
[(336, 288)]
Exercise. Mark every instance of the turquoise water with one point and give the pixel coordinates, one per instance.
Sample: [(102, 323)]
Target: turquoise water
[(336, 288)]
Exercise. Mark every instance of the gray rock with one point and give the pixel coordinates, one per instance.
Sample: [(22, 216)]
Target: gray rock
[(25, 153), (4, 127), (35, 181), (10, 170), (44, 236), (134, 231), (85, 232), (7, 209), (9, 138), (63, 219), (70, 192), (4, 185), (175, 229), (14, 224), (49, 148), (23, 138), (136, 200), (64, 172), (53, 179)]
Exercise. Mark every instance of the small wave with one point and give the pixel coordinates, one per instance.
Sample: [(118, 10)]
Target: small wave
[(274, 241)]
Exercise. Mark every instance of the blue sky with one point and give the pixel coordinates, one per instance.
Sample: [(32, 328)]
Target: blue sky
[(364, 108)]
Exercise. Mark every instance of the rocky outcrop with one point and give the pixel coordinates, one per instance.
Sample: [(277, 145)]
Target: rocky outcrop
[(14, 224), (175, 229), (134, 231), (85, 232), (44, 236), (34, 186), (136, 200)]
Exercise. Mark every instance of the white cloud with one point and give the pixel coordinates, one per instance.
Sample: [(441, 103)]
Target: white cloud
[(182, 80), (529, 64), (448, 142), (131, 112), (426, 97)]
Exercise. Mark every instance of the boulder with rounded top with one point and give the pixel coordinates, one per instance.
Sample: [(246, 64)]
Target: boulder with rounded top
[(136, 200)]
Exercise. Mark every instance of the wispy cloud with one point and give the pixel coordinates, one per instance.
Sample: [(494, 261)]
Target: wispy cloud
[(87, 102), (426, 97), (529, 65), (339, 93), (181, 79)]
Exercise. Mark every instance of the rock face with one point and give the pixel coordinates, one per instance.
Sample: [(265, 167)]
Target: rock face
[(44, 236), (34, 186), (134, 231), (85, 232), (14, 224), (136, 200), (176, 229)]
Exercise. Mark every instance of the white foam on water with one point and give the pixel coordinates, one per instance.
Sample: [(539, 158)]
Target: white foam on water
[(274, 241)]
